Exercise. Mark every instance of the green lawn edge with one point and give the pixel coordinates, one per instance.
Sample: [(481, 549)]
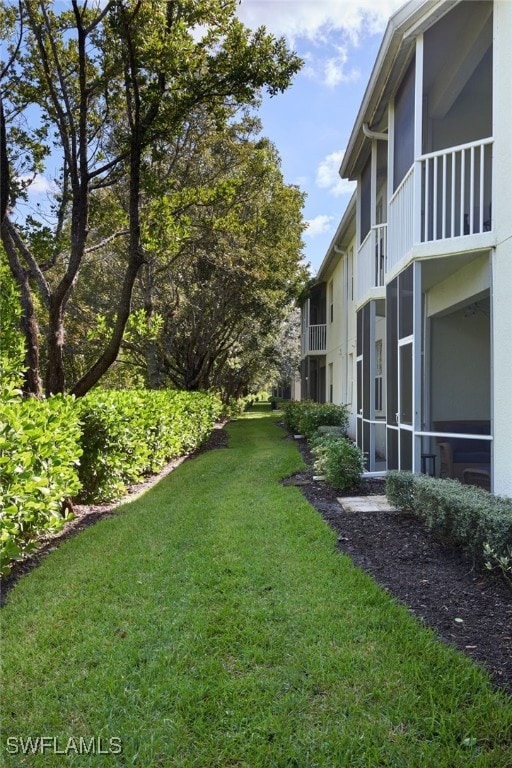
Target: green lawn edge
[(211, 622)]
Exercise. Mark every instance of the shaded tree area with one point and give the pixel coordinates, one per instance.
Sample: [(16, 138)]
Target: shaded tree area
[(236, 273), (162, 199)]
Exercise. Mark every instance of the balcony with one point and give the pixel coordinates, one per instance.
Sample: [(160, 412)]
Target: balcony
[(445, 195), (456, 191), (401, 220), (314, 340)]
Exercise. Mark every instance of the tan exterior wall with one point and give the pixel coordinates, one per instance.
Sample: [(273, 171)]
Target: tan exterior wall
[(341, 334)]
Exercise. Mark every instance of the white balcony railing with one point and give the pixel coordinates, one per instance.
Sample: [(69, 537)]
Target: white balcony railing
[(450, 198), (456, 191), (371, 260), (314, 340), (401, 220)]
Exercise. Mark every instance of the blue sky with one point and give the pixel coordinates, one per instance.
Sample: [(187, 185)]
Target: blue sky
[(310, 124)]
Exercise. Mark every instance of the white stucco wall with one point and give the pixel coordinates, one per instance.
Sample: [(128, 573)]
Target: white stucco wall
[(460, 366), (464, 285), (502, 258)]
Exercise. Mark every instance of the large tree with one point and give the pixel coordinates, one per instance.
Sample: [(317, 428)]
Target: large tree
[(223, 260), (90, 90), (236, 272)]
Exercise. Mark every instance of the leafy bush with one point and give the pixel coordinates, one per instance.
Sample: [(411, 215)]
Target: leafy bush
[(39, 454), (502, 562), (339, 460), (306, 416), (12, 348), (469, 516), (291, 413), (235, 407), (39, 445), (127, 434)]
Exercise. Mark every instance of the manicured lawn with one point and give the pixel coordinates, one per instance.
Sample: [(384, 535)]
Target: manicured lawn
[(212, 623)]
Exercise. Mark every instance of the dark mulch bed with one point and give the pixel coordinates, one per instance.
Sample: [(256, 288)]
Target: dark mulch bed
[(466, 606)]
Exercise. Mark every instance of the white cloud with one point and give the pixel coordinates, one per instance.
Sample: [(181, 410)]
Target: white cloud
[(335, 70), (313, 19), (39, 185), (319, 225), (327, 176)]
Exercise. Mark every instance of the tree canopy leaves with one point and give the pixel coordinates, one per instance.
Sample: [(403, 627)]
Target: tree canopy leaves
[(95, 96)]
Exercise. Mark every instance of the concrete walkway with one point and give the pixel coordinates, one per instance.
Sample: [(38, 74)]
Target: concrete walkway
[(366, 504)]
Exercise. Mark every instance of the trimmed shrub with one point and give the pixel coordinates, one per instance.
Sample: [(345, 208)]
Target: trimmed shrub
[(468, 516), (291, 413), (39, 455), (322, 414), (306, 416), (127, 434), (400, 490), (339, 460)]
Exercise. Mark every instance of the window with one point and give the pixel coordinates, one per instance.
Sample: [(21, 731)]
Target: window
[(331, 302), (378, 376), (331, 383), (350, 379)]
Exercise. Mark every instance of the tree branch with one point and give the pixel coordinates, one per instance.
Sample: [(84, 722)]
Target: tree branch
[(107, 240), (18, 44), (33, 266)]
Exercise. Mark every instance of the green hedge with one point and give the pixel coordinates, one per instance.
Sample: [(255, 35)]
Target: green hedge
[(467, 515), (39, 454), (50, 449), (127, 434), (306, 416)]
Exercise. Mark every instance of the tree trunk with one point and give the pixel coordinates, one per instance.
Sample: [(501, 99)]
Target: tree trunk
[(150, 347), (152, 365), (33, 382), (109, 356), (55, 378), (28, 324), (4, 165)]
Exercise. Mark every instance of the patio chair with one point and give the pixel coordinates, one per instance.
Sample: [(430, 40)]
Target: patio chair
[(476, 476), (445, 460)]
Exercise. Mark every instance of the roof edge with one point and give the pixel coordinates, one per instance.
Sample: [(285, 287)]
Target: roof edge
[(402, 25), (332, 256)]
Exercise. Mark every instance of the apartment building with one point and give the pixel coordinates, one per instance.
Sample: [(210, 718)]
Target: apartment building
[(409, 319)]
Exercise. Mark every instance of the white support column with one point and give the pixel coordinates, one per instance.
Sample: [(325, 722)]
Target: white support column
[(501, 327), (358, 212), (416, 366), (418, 138), (373, 190), (391, 152)]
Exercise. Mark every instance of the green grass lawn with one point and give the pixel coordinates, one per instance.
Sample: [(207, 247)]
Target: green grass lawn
[(213, 623)]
